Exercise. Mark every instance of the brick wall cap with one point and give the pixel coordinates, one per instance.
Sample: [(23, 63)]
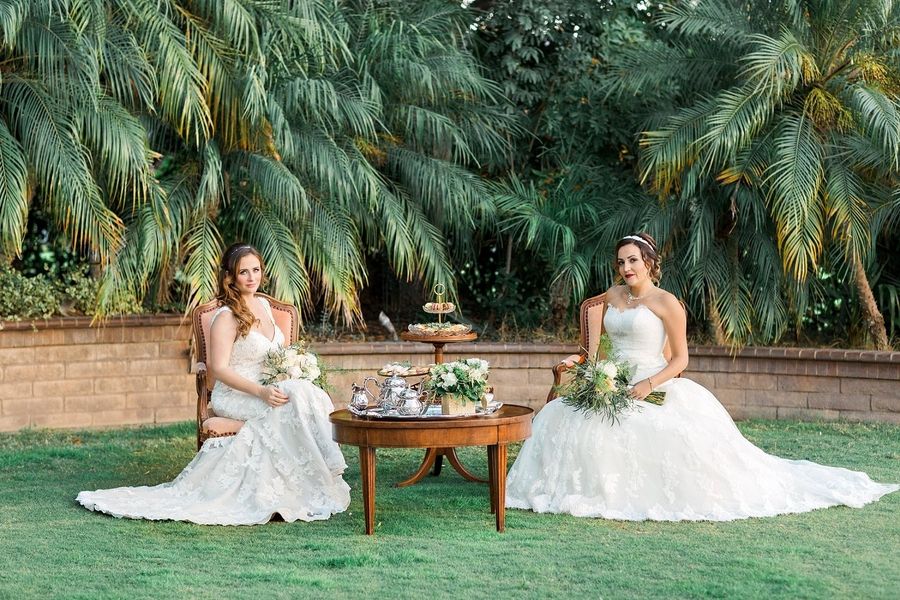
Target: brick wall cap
[(88, 322)]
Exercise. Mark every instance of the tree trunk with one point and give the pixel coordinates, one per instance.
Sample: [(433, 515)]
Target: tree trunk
[(715, 322), (873, 317)]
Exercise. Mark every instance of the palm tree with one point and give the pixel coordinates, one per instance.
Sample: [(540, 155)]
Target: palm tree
[(316, 130), (785, 140)]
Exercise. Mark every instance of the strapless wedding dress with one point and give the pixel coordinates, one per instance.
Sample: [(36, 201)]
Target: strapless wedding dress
[(682, 461), (283, 459)]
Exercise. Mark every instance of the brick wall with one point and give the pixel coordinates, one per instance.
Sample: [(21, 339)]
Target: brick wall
[(64, 373)]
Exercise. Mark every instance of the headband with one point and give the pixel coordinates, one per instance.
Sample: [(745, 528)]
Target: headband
[(639, 239)]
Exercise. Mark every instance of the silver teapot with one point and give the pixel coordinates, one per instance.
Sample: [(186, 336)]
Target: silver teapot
[(389, 391), (411, 402)]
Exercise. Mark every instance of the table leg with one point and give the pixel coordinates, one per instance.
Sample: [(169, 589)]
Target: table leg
[(367, 470), (450, 453), (438, 463), (492, 477), (430, 456), (500, 485)]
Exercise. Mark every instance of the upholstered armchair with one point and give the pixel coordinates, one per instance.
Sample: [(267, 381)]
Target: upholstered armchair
[(287, 318)]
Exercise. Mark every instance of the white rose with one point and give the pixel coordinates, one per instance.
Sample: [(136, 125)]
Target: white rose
[(314, 373), (294, 372), (610, 370), (449, 380)]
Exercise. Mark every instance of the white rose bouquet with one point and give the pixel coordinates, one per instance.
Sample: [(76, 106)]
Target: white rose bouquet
[(465, 378), (601, 386), (292, 362)]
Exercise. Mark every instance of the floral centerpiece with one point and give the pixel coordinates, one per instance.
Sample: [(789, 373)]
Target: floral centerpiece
[(601, 386), (292, 362), (460, 384)]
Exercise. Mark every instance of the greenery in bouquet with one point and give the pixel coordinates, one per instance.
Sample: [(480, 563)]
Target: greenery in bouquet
[(466, 378), (293, 362), (601, 385)]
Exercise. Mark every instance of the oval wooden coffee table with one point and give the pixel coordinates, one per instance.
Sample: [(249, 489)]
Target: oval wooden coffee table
[(511, 423)]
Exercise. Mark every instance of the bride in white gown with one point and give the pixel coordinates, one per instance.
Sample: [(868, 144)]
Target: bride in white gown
[(282, 460), (682, 461)]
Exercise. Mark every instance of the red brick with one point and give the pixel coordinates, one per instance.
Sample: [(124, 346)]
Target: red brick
[(889, 404), (94, 402), (739, 413), (839, 401), (807, 414), (87, 352), (128, 416), (741, 381), (153, 399), (15, 390), (65, 420), (159, 366), (177, 382), (65, 387), (870, 386), (14, 422), (776, 398), (118, 385), (806, 383), (883, 417), (112, 351), (17, 356), (173, 414), (173, 349), (32, 372), (731, 398), (96, 368)]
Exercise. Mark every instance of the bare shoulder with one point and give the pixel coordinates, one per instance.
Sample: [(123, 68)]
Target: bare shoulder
[(616, 292), (666, 303)]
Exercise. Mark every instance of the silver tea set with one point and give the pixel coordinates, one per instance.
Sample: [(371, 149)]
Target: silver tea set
[(393, 395)]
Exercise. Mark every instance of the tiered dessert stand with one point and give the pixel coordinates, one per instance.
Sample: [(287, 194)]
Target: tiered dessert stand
[(438, 339)]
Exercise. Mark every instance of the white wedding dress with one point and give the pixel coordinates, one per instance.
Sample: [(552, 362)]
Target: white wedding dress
[(282, 460), (682, 461)]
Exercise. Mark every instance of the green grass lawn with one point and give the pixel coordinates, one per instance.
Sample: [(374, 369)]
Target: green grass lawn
[(435, 539)]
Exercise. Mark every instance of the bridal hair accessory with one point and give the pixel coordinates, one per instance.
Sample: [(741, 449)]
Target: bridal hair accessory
[(638, 239)]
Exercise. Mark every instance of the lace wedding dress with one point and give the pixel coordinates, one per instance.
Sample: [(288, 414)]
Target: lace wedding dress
[(283, 459), (682, 461)]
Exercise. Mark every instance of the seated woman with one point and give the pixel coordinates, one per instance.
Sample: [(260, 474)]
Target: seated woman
[(682, 461), (282, 460)]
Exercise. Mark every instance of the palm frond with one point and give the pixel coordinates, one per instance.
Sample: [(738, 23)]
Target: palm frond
[(14, 193)]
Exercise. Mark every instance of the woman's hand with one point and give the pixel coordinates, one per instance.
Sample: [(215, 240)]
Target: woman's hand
[(641, 389), (272, 396)]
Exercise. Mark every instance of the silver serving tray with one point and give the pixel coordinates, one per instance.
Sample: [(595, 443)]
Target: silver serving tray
[(432, 412)]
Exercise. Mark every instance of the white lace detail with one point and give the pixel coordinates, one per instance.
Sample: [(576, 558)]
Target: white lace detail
[(684, 460), (282, 460)]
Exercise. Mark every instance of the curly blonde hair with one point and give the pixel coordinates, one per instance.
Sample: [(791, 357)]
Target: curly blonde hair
[(228, 293), (647, 245)]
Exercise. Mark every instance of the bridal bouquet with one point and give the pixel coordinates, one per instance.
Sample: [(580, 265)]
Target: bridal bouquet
[(464, 378), (601, 386), (292, 362)]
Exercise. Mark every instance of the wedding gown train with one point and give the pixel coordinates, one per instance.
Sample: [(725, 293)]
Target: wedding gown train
[(282, 460), (684, 460)]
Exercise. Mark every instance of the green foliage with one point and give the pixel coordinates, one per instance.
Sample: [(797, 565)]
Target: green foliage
[(781, 146), (26, 297)]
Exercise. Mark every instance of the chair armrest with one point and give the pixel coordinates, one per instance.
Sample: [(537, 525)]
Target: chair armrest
[(202, 394), (558, 369)]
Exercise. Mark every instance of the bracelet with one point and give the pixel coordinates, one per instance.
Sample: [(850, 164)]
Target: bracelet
[(650, 381)]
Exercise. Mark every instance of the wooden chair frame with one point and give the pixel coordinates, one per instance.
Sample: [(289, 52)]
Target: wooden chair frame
[(287, 318)]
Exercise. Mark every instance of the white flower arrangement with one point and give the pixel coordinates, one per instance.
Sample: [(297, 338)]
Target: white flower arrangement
[(292, 362), (466, 378)]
